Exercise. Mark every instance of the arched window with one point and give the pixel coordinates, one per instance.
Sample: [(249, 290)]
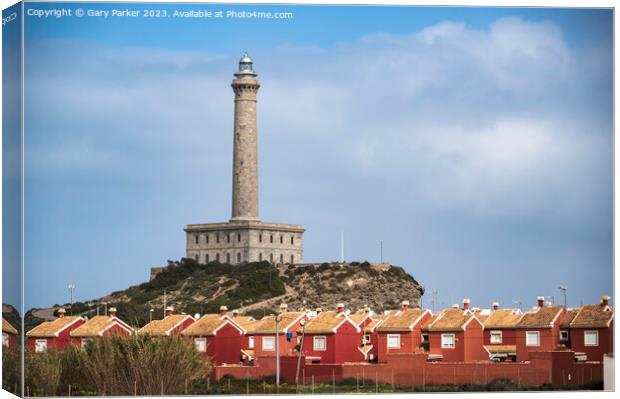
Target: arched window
[(206, 258), (227, 237), (271, 238), (271, 258), (260, 238), (238, 257), (260, 257), (196, 238), (292, 258), (227, 258), (292, 240), (207, 238), (238, 237), (281, 239), (196, 257), (217, 238), (281, 258)]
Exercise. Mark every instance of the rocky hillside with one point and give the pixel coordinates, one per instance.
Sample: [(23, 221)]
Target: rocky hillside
[(258, 289)]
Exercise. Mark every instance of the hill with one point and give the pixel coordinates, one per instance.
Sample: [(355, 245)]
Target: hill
[(258, 288)]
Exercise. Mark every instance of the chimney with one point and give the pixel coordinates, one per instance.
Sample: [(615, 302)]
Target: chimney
[(404, 305), (223, 310), (366, 309), (283, 308), (169, 311), (455, 306), (235, 313), (541, 301), (495, 306), (340, 307), (61, 313), (318, 311), (604, 300), (466, 303), (112, 312)]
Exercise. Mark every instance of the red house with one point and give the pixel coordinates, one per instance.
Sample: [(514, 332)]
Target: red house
[(371, 339), (455, 335), (9, 334), (362, 318), (262, 334), (401, 331), (539, 329), (500, 334), (53, 334), (169, 326), (100, 326), (218, 337), (332, 338), (591, 331)]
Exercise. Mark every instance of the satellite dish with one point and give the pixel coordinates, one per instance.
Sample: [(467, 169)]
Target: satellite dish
[(197, 316)]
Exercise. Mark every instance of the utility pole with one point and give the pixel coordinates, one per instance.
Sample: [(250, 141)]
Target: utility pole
[(71, 290), (164, 314), (278, 316), (381, 251), (301, 345), (434, 293), (342, 247)]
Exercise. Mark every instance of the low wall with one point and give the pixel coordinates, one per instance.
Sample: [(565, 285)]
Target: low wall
[(554, 367)]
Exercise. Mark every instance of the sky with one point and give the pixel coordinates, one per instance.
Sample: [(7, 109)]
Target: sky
[(476, 143)]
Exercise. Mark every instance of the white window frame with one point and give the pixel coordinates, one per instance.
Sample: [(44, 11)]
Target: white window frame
[(367, 338), (319, 348), (445, 345), (495, 340), (424, 335), (251, 342), (529, 334), (271, 346), (564, 332), (585, 333), (393, 345), (40, 345), (5, 339), (200, 344)]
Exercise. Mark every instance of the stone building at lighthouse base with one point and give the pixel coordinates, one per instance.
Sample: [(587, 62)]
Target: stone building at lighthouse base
[(245, 241)]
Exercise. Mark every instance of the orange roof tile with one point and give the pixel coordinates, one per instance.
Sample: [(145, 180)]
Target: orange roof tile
[(209, 324), (7, 327), (52, 328), (449, 320), (502, 318), (569, 317), (267, 325), (593, 316), (402, 320), (164, 326), (326, 323), (98, 325), (540, 317)]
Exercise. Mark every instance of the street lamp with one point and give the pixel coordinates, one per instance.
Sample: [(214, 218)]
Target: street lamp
[(301, 345), (71, 290), (151, 315), (563, 291), (278, 319)]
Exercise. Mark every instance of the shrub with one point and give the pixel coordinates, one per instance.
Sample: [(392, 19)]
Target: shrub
[(42, 372), (11, 370)]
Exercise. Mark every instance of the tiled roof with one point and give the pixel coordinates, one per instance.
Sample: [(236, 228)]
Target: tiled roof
[(325, 323), (359, 316), (482, 314), (570, 316), (402, 320), (97, 326), (593, 316), (52, 328), (540, 317), (208, 325), (7, 327), (267, 325), (449, 320), (501, 348), (246, 322), (372, 325), (163, 327), (503, 318)]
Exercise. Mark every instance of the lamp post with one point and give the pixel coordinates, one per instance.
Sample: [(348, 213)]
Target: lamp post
[(301, 345), (71, 290), (151, 315), (563, 291), (278, 317)]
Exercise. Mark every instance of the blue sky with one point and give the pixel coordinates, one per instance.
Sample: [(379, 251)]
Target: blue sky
[(476, 143)]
